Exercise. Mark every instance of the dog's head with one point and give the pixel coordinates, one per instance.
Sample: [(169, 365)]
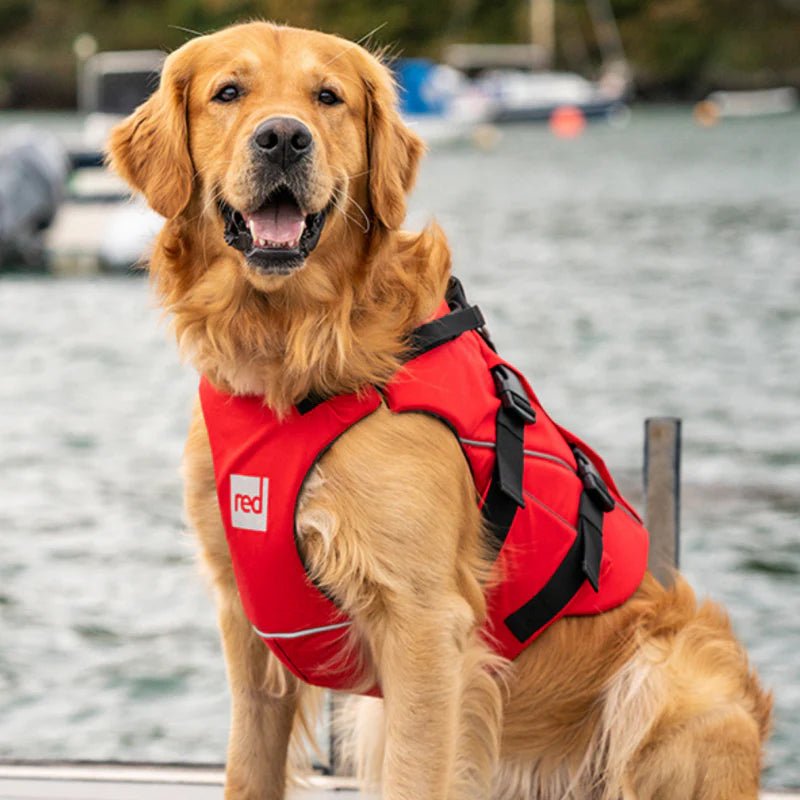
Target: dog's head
[(278, 142)]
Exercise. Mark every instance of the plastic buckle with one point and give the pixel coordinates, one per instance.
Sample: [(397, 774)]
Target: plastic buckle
[(593, 483), (512, 394)]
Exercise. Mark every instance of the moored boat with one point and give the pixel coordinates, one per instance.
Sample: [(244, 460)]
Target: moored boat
[(439, 102), (754, 103)]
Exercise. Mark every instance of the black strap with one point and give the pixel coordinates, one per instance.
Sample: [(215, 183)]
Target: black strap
[(590, 532), (310, 402), (581, 563), (444, 329), (509, 454), (552, 597), (504, 495)]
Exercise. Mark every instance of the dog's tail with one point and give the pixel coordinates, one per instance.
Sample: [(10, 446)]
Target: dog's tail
[(304, 746), (360, 738)]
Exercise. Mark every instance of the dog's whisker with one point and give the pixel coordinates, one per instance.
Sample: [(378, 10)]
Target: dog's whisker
[(187, 30), (348, 217), (213, 198), (363, 213), (337, 200), (352, 45), (340, 197), (358, 174), (367, 36)]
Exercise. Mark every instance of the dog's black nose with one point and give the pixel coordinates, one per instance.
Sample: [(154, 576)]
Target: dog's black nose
[(283, 140)]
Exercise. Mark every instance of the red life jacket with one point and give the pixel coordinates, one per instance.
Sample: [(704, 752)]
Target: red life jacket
[(567, 542)]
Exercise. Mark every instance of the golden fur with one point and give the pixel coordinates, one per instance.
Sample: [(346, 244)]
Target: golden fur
[(651, 701)]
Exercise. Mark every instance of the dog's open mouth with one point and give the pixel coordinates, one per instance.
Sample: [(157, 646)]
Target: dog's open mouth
[(277, 236)]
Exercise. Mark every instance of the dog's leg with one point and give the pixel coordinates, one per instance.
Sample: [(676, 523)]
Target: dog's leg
[(424, 660), (363, 729), (709, 713), (391, 527), (713, 757), (686, 717), (264, 695), (262, 714), (481, 716)]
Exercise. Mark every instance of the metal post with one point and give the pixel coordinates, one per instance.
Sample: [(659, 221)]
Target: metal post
[(335, 764), (606, 31), (662, 491)]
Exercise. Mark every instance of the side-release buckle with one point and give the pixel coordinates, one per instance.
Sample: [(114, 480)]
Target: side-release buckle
[(512, 394), (593, 483)]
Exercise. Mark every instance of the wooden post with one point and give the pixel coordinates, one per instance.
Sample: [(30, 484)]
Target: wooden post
[(543, 29), (662, 491)]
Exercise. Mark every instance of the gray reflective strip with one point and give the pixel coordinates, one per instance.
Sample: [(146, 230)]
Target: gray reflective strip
[(532, 453), (299, 634), (476, 443), (548, 457)]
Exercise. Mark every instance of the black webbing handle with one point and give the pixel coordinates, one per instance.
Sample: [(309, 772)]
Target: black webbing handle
[(444, 329)]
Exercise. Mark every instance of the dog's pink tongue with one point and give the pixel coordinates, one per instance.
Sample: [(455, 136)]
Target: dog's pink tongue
[(280, 222)]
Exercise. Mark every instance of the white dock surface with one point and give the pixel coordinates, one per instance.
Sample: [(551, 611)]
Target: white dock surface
[(79, 781), (76, 781)]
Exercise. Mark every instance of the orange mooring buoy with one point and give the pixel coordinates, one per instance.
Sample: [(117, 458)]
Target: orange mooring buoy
[(706, 113), (567, 122)]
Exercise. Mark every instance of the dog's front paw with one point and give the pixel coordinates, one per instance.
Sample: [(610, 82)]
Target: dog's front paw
[(243, 789)]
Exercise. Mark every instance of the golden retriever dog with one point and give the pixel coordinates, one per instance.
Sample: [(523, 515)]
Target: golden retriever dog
[(282, 167)]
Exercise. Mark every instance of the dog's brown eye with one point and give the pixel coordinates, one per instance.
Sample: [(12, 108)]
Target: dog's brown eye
[(329, 98), (227, 93)]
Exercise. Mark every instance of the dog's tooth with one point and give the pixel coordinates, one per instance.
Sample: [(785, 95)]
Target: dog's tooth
[(251, 226)]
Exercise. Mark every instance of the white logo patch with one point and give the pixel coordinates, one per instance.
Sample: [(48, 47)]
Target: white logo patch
[(249, 502)]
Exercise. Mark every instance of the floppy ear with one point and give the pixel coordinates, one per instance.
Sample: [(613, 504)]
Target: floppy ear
[(394, 152), (150, 149)]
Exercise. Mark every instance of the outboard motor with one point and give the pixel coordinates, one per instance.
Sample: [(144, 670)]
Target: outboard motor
[(33, 169)]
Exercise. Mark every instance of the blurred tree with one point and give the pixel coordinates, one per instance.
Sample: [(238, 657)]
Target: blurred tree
[(14, 14), (686, 47), (678, 48)]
